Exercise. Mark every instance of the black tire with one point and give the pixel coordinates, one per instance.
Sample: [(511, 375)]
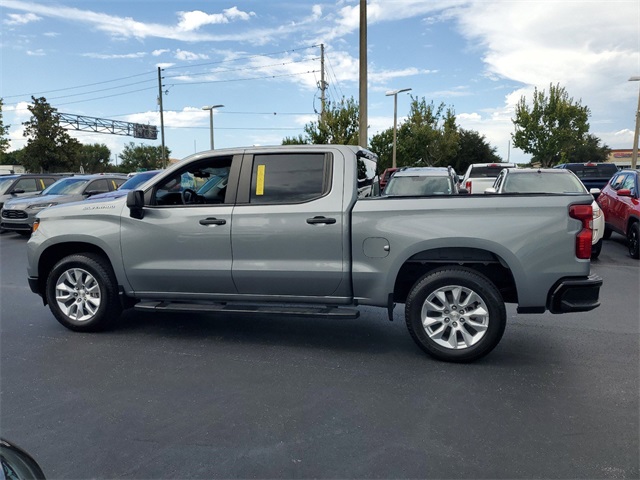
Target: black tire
[(607, 233), (479, 331), (91, 292), (596, 249), (633, 239), (24, 233)]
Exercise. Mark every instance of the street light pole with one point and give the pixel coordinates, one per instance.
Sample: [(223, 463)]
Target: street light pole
[(634, 155), (211, 120), (395, 118)]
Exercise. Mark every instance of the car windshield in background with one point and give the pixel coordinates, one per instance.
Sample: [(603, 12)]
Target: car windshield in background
[(418, 186), (5, 183), (137, 180), (541, 182), (66, 186)]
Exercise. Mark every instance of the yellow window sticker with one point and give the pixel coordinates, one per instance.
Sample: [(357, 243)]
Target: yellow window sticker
[(260, 180)]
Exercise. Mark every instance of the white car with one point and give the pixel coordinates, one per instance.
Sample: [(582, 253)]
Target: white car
[(550, 180), (482, 175)]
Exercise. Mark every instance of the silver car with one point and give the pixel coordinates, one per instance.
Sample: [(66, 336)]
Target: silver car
[(19, 214)]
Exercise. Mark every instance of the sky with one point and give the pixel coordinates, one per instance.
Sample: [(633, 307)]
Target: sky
[(261, 60)]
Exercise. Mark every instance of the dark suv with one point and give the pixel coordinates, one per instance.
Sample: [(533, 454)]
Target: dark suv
[(24, 185)]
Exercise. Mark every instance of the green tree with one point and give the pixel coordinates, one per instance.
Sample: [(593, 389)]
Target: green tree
[(473, 148), (49, 147), (382, 145), (429, 136), (138, 157), (551, 127), (14, 157), (339, 126), (94, 158), (4, 131), (589, 150)]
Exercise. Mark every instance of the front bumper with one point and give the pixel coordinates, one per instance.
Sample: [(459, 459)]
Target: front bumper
[(574, 294)]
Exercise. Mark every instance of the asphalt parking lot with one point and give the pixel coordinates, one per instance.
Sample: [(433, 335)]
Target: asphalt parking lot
[(175, 396)]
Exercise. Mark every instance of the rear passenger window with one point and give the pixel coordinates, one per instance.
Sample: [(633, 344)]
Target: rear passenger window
[(289, 178), (47, 181)]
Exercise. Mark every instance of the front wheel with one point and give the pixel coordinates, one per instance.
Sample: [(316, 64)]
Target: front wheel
[(82, 293), (633, 238), (455, 314)]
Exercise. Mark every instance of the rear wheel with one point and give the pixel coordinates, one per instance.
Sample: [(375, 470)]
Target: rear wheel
[(634, 240), (596, 249), (607, 233), (455, 314), (82, 293)]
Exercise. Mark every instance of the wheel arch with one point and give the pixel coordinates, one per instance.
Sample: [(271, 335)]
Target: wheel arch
[(54, 253), (484, 260)]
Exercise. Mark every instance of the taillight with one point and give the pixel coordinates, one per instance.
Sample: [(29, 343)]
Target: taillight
[(584, 213), (468, 185)]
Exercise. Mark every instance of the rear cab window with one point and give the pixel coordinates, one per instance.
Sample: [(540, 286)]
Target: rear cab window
[(288, 178)]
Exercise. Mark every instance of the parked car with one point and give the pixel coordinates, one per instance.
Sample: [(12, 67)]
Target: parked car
[(18, 215), (422, 181), (134, 181), (385, 177), (592, 175), (24, 185), (550, 180), (482, 175), (620, 203)]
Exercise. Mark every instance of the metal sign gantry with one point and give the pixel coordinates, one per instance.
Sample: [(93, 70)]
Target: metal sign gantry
[(103, 125)]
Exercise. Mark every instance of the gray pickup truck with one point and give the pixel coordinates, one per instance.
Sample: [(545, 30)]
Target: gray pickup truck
[(297, 230)]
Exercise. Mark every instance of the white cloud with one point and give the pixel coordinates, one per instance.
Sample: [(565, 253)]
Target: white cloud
[(185, 55), (36, 53), (18, 19), (103, 56), (165, 65), (157, 53)]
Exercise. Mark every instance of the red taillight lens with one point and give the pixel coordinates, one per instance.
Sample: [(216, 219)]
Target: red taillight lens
[(468, 185), (584, 213)]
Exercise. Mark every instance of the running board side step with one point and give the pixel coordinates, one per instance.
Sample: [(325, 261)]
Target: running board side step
[(271, 310)]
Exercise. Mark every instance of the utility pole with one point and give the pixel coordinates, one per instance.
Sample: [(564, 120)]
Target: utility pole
[(164, 156), (363, 120), (323, 84)]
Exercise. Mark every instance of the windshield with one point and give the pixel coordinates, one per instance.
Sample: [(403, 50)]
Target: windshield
[(5, 183), (542, 183), (136, 180), (66, 186), (418, 186)]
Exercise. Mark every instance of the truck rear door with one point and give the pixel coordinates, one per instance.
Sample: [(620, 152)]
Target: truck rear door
[(289, 229)]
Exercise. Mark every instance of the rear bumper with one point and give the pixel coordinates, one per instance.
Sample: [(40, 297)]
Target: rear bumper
[(574, 294)]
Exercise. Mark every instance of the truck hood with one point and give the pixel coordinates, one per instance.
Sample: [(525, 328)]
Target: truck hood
[(24, 203)]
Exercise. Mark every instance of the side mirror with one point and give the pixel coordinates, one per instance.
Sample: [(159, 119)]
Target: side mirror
[(490, 190), (135, 202), (17, 463), (624, 192), (16, 191), (595, 192), (90, 193)]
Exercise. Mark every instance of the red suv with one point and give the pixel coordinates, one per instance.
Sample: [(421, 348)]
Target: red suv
[(620, 204)]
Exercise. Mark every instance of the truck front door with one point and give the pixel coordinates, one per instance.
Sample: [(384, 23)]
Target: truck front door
[(183, 243)]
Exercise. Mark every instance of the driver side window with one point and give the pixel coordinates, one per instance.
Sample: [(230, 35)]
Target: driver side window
[(200, 183)]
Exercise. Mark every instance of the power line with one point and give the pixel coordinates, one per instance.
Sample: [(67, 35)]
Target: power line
[(243, 79), (253, 67), (245, 57)]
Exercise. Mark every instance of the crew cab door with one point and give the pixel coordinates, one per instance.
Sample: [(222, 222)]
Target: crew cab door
[(289, 229), (182, 245)]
